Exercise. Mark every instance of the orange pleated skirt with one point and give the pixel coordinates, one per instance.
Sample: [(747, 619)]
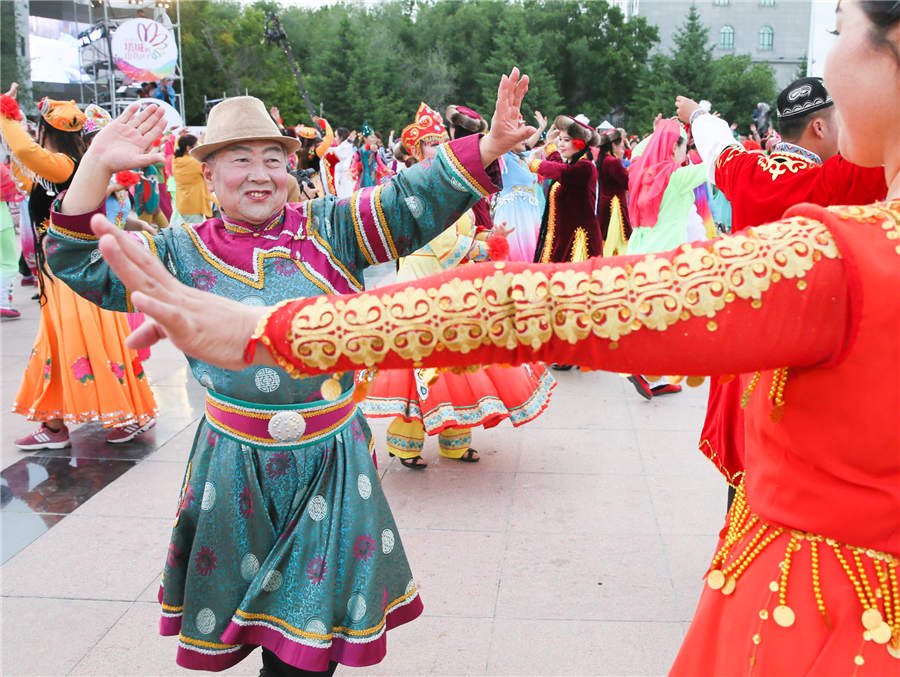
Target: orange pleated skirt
[(79, 369)]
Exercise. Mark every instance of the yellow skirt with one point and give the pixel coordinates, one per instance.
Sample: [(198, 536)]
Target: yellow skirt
[(79, 369)]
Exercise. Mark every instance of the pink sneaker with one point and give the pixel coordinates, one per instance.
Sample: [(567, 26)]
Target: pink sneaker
[(44, 438), (126, 433), (9, 314)]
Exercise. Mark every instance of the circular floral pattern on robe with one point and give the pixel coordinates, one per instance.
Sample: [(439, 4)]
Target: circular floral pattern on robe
[(410, 586), (387, 541), (249, 567), (253, 300), (316, 627), (318, 508), (267, 379), (457, 185), (364, 486), (272, 581), (209, 497), (356, 607), (206, 620), (415, 205)]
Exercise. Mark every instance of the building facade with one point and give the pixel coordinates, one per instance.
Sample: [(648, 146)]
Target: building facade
[(775, 32)]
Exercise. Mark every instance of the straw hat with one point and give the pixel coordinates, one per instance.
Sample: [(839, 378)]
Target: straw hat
[(240, 118)]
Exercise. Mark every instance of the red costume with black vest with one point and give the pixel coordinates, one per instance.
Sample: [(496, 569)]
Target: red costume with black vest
[(760, 188), (569, 231)]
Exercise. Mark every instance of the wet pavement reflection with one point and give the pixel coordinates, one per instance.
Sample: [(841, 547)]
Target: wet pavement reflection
[(40, 489)]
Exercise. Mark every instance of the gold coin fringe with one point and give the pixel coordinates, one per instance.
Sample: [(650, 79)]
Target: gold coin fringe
[(879, 596)]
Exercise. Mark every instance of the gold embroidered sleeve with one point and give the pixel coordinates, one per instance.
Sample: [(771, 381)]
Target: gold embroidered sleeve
[(775, 295)]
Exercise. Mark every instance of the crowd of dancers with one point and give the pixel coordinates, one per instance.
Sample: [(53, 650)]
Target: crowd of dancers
[(765, 264)]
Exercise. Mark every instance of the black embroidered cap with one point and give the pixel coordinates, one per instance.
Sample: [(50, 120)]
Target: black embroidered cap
[(802, 97)]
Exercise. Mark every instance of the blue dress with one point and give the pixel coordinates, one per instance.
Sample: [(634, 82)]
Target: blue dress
[(521, 204), (287, 545)]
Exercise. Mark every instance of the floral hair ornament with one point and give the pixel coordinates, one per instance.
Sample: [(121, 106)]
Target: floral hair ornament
[(62, 115), (367, 129), (428, 126), (95, 119)]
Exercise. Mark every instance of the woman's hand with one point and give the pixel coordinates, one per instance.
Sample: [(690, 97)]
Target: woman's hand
[(541, 120), (205, 326), (507, 129), (13, 90), (502, 229)]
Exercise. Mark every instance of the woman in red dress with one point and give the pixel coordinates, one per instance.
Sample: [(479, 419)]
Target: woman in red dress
[(569, 229)]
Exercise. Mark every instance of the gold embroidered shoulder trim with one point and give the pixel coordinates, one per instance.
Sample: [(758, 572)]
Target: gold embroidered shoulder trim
[(885, 214), (531, 307), (782, 163), (775, 165)]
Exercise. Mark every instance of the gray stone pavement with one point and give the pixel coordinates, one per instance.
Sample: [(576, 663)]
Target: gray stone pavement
[(576, 546)]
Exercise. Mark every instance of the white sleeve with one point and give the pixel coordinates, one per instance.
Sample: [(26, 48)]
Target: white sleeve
[(344, 151), (711, 135)]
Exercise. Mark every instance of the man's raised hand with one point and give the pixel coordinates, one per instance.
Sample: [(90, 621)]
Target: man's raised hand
[(507, 128), (124, 143)]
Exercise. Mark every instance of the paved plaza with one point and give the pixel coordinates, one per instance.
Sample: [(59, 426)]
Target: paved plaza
[(575, 547)]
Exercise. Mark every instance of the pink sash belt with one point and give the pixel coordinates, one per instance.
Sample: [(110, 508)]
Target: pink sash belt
[(278, 426)]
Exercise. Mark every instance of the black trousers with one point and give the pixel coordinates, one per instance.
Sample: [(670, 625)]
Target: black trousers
[(275, 667)]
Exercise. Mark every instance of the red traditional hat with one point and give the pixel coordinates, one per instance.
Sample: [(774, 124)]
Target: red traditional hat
[(428, 125)]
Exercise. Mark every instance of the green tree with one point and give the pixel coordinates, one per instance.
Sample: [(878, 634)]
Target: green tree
[(738, 85), (733, 83), (508, 49), (802, 68), (9, 67), (691, 65)]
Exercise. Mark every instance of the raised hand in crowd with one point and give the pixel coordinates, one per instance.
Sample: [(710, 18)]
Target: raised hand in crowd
[(684, 107), (123, 144), (507, 129)]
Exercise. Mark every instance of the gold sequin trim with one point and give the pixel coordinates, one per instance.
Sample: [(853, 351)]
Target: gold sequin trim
[(532, 307)]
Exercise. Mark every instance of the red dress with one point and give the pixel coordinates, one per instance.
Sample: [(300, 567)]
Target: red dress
[(805, 581), (761, 187), (569, 229), (612, 183)]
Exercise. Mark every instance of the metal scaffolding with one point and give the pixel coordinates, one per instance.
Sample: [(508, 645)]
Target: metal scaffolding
[(107, 86)]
